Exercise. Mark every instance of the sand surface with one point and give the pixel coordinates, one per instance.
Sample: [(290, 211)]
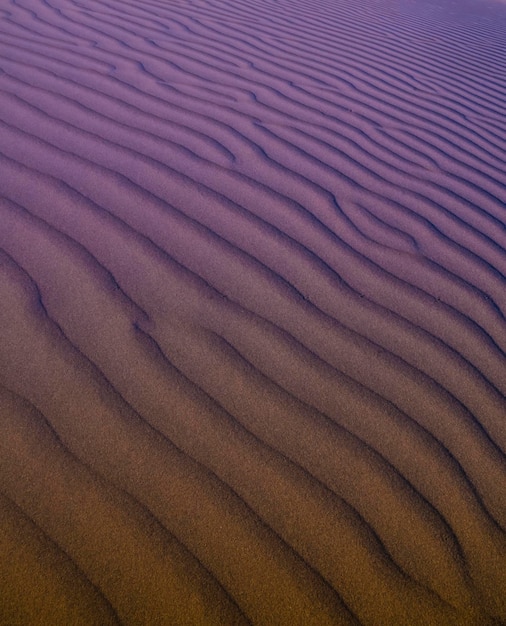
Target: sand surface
[(252, 312)]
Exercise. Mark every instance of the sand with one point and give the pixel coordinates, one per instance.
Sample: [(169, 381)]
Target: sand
[(252, 313)]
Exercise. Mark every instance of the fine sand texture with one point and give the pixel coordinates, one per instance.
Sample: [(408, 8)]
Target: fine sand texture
[(252, 312)]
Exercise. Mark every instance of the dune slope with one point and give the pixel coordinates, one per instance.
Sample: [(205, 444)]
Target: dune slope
[(252, 313)]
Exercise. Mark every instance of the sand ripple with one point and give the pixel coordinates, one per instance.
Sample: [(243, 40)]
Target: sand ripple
[(252, 313)]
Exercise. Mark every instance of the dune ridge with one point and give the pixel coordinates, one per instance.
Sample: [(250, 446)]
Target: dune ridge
[(252, 313)]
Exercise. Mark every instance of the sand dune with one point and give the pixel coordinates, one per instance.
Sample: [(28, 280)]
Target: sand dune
[(252, 313)]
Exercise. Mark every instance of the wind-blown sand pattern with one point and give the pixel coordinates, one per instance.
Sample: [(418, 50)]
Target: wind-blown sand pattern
[(252, 312)]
